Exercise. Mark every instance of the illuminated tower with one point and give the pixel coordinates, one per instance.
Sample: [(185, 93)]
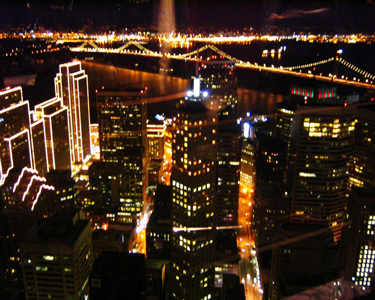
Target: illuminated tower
[(193, 198), (321, 140), (122, 119), (52, 116), (15, 139), (71, 85), (218, 76)]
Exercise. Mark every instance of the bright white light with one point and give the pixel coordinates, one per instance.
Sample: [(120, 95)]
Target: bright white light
[(196, 86), (189, 93), (205, 94), (246, 130), (48, 257), (340, 51), (159, 117)]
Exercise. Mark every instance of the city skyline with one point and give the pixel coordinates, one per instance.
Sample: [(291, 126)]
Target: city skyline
[(326, 16), (228, 192)]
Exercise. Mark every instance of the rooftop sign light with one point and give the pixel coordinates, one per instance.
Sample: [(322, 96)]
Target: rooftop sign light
[(159, 117)]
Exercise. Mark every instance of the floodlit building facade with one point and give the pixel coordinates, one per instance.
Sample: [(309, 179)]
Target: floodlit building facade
[(15, 135), (53, 117), (71, 85)]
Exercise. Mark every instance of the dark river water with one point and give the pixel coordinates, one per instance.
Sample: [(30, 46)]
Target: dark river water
[(256, 92), (102, 75)]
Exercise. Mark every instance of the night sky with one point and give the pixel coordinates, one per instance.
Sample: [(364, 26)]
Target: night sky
[(330, 16)]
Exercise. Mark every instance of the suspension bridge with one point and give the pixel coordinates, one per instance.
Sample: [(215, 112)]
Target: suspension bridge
[(363, 78)]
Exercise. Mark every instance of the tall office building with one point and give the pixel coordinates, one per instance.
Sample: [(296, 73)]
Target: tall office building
[(357, 249), (122, 119), (52, 116), (248, 169), (228, 171), (155, 139), (71, 85), (321, 140), (15, 138), (193, 198), (219, 78)]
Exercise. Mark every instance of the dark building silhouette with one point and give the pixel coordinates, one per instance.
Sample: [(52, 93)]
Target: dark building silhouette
[(56, 259), (303, 256), (118, 276), (158, 235), (270, 158), (157, 279), (362, 160)]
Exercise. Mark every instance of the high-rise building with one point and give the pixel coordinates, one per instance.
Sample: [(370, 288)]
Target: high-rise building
[(362, 162), (357, 247), (56, 258), (15, 137), (305, 257), (219, 78), (71, 85), (122, 119), (248, 169), (228, 177), (322, 139), (104, 177), (155, 139), (53, 116), (270, 158), (218, 81), (39, 146), (193, 198)]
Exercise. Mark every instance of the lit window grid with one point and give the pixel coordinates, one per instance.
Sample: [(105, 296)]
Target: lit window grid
[(365, 266), (339, 128)]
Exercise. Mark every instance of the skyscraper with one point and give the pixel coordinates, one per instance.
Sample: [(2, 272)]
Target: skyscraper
[(218, 78), (322, 139), (193, 198), (71, 85), (54, 118), (357, 249), (122, 118), (15, 139)]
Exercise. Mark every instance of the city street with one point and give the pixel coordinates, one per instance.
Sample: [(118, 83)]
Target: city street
[(248, 266)]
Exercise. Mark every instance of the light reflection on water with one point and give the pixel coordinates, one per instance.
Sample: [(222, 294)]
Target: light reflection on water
[(254, 100), (106, 75)]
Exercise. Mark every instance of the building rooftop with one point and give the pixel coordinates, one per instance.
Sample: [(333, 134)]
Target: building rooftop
[(57, 230), (339, 289)]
